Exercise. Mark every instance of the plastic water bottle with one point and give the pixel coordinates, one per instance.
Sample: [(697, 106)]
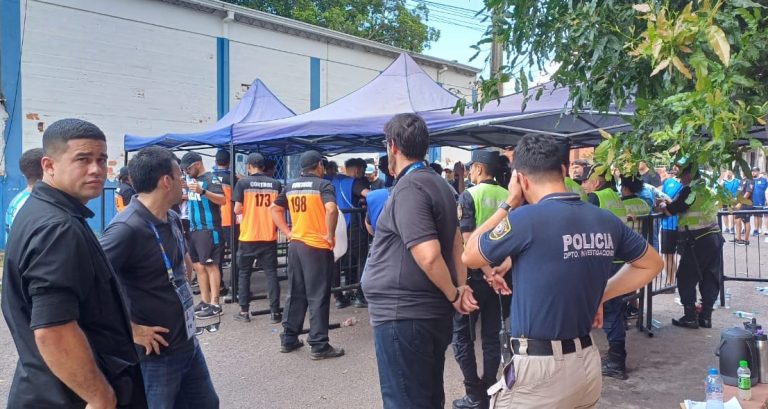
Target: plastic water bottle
[(744, 314), (714, 388), (745, 381)]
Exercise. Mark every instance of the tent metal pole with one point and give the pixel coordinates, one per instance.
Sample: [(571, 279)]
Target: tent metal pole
[(526, 130), (233, 270)]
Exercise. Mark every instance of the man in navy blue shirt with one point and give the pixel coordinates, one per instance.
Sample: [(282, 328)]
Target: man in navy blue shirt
[(561, 279)]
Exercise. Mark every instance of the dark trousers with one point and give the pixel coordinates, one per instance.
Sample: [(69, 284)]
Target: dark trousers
[(411, 357), (708, 252), (310, 271), (266, 254), (179, 380), (489, 316), (614, 315)]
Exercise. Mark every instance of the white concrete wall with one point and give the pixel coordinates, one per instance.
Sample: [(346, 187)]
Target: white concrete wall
[(146, 67)]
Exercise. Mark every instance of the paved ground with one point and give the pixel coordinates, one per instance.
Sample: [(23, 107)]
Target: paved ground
[(249, 372)]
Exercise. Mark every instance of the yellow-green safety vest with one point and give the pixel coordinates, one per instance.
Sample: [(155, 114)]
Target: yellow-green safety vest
[(611, 201), (702, 212), (637, 207), (574, 187), (487, 197)]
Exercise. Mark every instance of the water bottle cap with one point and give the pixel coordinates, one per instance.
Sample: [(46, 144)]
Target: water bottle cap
[(713, 371), (743, 364)]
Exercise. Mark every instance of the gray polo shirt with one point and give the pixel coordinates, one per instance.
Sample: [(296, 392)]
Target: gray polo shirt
[(421, 207)]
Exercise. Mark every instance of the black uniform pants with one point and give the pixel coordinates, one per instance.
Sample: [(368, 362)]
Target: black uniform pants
[(489, 316), (266, 254), (708, 252), (614, 315), (310, 271)]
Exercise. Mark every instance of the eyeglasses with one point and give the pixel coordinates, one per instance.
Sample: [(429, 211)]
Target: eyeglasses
[(385, 142)]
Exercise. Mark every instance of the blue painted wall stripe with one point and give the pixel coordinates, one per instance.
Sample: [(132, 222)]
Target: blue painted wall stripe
[(222, 76), (10, 85), (314, 83)]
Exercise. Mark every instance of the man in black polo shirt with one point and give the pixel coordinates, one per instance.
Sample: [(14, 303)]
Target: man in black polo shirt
[(561, 279), (145, 244), (414, 278), (206, 241), (61, 300)]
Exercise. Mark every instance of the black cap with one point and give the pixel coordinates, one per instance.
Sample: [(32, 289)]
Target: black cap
[(189, 158), (256, 160), (122, 173), (756, 168), (490, 158), (310, 159)]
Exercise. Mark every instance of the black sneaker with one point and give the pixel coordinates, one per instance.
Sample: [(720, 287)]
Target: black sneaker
[(328, 352), (468, 402), (199, 307), (210, 311), (276, 317), (342, 302), (286, 348), (359, 300), (243, 316)]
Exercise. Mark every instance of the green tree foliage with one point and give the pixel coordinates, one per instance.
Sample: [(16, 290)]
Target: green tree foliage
[(386, 21), (696, 71)]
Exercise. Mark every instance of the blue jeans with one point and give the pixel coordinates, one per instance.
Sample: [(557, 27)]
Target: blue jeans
[(411, 357), (179, 380)]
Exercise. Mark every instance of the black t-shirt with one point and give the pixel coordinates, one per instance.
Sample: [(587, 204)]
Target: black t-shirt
[(679, 205), (130, 244), (56, 272), (203, 213), (559, 272), (747, 188), (421, 207)]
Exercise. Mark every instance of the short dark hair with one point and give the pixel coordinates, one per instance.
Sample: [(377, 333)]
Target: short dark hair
[(409, 133), (633, 183), (384, 164), (30, 164), (538, 156), (222, 157), (148, 166), (269, 164), (57, 134)]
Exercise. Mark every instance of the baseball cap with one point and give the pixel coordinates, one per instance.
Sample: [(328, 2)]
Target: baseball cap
[(123, 173), (485, 157), (189, 158), (256, 160), (310, 159), (756, 168), (370, 169)]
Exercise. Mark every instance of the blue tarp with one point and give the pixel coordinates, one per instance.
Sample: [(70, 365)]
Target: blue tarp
[(258, 104)]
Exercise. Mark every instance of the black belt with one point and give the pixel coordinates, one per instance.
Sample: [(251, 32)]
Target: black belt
[(538, 347)]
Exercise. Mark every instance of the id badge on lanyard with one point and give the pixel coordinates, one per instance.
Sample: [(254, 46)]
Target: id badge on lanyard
[(184, 291)]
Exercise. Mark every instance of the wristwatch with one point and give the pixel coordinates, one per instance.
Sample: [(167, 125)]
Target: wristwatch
[(203, 192), (505, 207)]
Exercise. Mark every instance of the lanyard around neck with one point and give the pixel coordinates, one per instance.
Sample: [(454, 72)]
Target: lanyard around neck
[(166, 259)]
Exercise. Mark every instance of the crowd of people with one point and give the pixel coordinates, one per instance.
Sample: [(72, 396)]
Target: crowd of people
[(111, 322)]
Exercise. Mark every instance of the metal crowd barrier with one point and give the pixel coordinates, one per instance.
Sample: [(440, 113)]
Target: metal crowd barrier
[(746, 263)]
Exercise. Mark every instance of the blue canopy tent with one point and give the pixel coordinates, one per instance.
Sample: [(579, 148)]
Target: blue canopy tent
[(258, 104), (353, 123)]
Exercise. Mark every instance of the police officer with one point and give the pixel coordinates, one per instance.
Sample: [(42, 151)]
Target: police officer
[(570, 184), (312, 204), (601, 194), (560, 276), (701, 245), (476, 205), (124, 191)]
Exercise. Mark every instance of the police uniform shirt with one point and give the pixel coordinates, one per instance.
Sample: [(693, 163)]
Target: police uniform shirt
[(420, 208), (256, 193), (133, 251), (305, 199), (559, 273), (56, 272), (203, 213), (747, 186)]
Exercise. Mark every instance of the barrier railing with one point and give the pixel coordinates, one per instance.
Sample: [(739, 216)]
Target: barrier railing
[(746, 262)]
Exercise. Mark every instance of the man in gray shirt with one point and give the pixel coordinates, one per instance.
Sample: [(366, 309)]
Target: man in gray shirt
[(414, 278)]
